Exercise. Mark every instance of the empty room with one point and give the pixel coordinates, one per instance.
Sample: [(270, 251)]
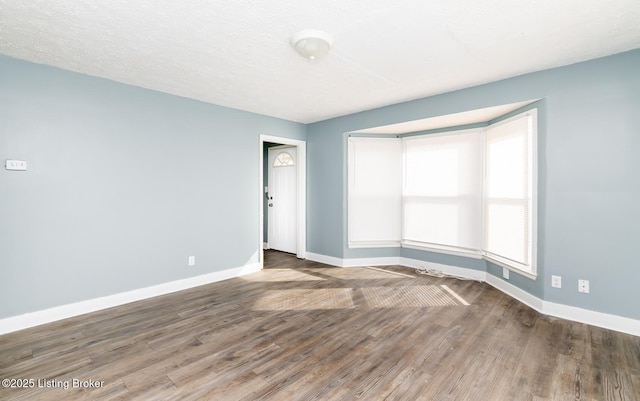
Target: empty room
[(298, 200)]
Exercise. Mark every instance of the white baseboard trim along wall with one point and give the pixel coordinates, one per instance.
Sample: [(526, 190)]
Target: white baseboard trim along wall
[(27, 320), (604, 320)]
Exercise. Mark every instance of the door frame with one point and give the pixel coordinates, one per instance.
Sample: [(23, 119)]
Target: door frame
[(301, 193)]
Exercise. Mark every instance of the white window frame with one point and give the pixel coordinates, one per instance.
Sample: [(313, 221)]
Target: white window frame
[(530, 270)]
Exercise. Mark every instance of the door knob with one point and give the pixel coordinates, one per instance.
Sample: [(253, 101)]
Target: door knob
[(270, 204)]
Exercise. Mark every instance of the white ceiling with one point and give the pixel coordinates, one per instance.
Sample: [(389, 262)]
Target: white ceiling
[(236, 53)]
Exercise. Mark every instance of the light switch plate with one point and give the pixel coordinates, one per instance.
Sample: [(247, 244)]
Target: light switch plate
[(17, 165)]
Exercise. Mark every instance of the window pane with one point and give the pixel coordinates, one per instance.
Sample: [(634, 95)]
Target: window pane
[(283, 159), (442, 190), (432, 172), (508, 191), (374, 192), (441, 221), (506, 229), (507, 168)]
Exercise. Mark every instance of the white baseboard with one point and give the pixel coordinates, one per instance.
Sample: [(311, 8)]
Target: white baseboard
[(27, 320), (605, 320), (599, 319), (327, 260), (514, 292), (580, 315), (354, 262), (265, 245)]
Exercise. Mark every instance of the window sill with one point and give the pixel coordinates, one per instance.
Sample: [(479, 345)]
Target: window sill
[(467, 253), (374, 244), (502, 263), (470, 253)]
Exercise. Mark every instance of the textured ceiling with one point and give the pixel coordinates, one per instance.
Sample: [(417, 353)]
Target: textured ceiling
[(236, 53)]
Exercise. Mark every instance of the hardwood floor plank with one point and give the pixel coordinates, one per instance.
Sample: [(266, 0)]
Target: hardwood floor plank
[(301, 330)]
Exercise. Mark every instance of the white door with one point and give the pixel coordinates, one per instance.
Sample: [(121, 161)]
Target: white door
[(282, 191)]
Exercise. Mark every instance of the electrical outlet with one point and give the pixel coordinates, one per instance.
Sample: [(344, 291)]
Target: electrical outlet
[(505, 273), (583, 286), (192, 260), (556, 281)]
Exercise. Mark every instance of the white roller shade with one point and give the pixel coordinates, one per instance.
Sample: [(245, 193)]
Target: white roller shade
[(374, 192), (509, 189), (442, 191)]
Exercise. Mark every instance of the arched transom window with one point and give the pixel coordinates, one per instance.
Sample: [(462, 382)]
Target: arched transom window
[(283, 159)]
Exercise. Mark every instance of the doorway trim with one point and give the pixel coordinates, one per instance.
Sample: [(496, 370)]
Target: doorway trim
[(301, 193)]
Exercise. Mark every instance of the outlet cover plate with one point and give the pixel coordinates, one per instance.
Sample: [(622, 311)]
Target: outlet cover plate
[(583, 286), (556, 281)]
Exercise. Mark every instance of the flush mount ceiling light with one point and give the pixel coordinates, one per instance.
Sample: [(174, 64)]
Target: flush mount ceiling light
[(311, 43)]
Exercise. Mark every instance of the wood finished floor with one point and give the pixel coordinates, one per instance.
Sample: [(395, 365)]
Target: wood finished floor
[(300, 330)]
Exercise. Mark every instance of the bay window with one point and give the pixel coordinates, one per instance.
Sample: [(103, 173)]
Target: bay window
[(470, 193)]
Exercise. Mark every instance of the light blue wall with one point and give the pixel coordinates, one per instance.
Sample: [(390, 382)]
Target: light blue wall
[(123, 185), (589, 178)]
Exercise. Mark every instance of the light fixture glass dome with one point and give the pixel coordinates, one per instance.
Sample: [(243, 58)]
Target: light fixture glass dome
[(311, 43)]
